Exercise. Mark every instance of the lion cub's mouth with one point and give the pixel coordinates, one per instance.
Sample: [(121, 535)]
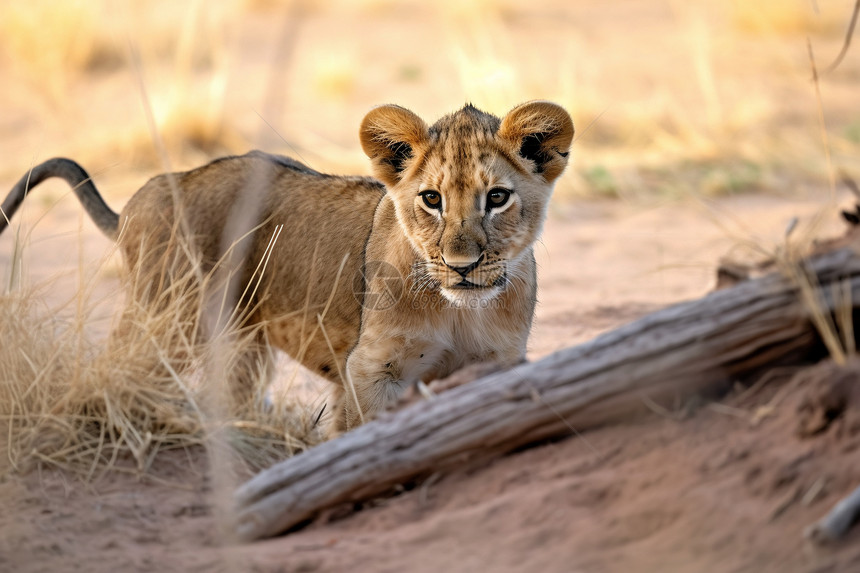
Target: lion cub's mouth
[(466, 284), (466, 294), (477, 276), (464, 288)]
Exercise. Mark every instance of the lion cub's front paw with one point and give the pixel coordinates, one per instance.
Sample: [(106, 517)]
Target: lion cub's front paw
[(420, 391)]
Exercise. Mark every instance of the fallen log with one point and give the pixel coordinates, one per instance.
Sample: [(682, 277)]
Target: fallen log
[(682, 349)]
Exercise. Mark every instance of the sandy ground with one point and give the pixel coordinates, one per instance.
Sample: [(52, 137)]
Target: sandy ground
[(713, 492)]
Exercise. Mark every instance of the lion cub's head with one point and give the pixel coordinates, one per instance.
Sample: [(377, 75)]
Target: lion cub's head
[(470, 191)]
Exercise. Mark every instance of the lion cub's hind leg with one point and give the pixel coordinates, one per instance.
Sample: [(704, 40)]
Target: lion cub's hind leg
[(158, 347), (165, 330), (249, 372), (230, 373)]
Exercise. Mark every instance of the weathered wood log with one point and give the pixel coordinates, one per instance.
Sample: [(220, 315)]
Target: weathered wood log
[(681, 349)]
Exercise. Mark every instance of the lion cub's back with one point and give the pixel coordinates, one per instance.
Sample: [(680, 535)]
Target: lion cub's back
[(321, 222), (280, 190)]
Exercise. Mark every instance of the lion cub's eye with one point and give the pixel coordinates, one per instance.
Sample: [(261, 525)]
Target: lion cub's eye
[(497, 197), (432, 199)]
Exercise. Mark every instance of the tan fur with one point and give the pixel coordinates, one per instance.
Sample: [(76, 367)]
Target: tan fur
[(412, 319)]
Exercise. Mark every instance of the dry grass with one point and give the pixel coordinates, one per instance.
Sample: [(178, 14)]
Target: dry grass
[(69, 401), (53, 40), (787, 18), (837, 330), (54, 46), (89, 406), (50, 40)]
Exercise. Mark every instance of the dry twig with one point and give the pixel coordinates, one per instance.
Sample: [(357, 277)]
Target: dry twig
[(836, 524)]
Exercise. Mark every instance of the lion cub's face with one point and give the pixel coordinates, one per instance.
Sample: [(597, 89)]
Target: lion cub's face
[(471, 191)]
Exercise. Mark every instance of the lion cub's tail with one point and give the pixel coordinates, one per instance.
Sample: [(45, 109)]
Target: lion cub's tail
[(104, 217)]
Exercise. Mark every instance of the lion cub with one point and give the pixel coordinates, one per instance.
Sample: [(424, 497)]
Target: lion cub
[(373, 284)]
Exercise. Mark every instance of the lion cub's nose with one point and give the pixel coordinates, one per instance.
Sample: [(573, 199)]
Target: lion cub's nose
[(463, 266)]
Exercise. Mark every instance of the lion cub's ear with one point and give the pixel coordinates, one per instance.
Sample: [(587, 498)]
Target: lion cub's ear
[(389, 135), (540, 132)]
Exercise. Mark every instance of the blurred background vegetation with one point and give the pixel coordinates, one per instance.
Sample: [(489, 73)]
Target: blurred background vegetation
[(670, 98)]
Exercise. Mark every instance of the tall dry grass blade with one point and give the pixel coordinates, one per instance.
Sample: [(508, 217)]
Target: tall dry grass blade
[(811, 296), (825, 140), (306, 341), (345, 378), (845, 317), (181, 234), (70, 403), (846, 43)]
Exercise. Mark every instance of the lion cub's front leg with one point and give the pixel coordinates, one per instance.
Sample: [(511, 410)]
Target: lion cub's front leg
[(378, 371)]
